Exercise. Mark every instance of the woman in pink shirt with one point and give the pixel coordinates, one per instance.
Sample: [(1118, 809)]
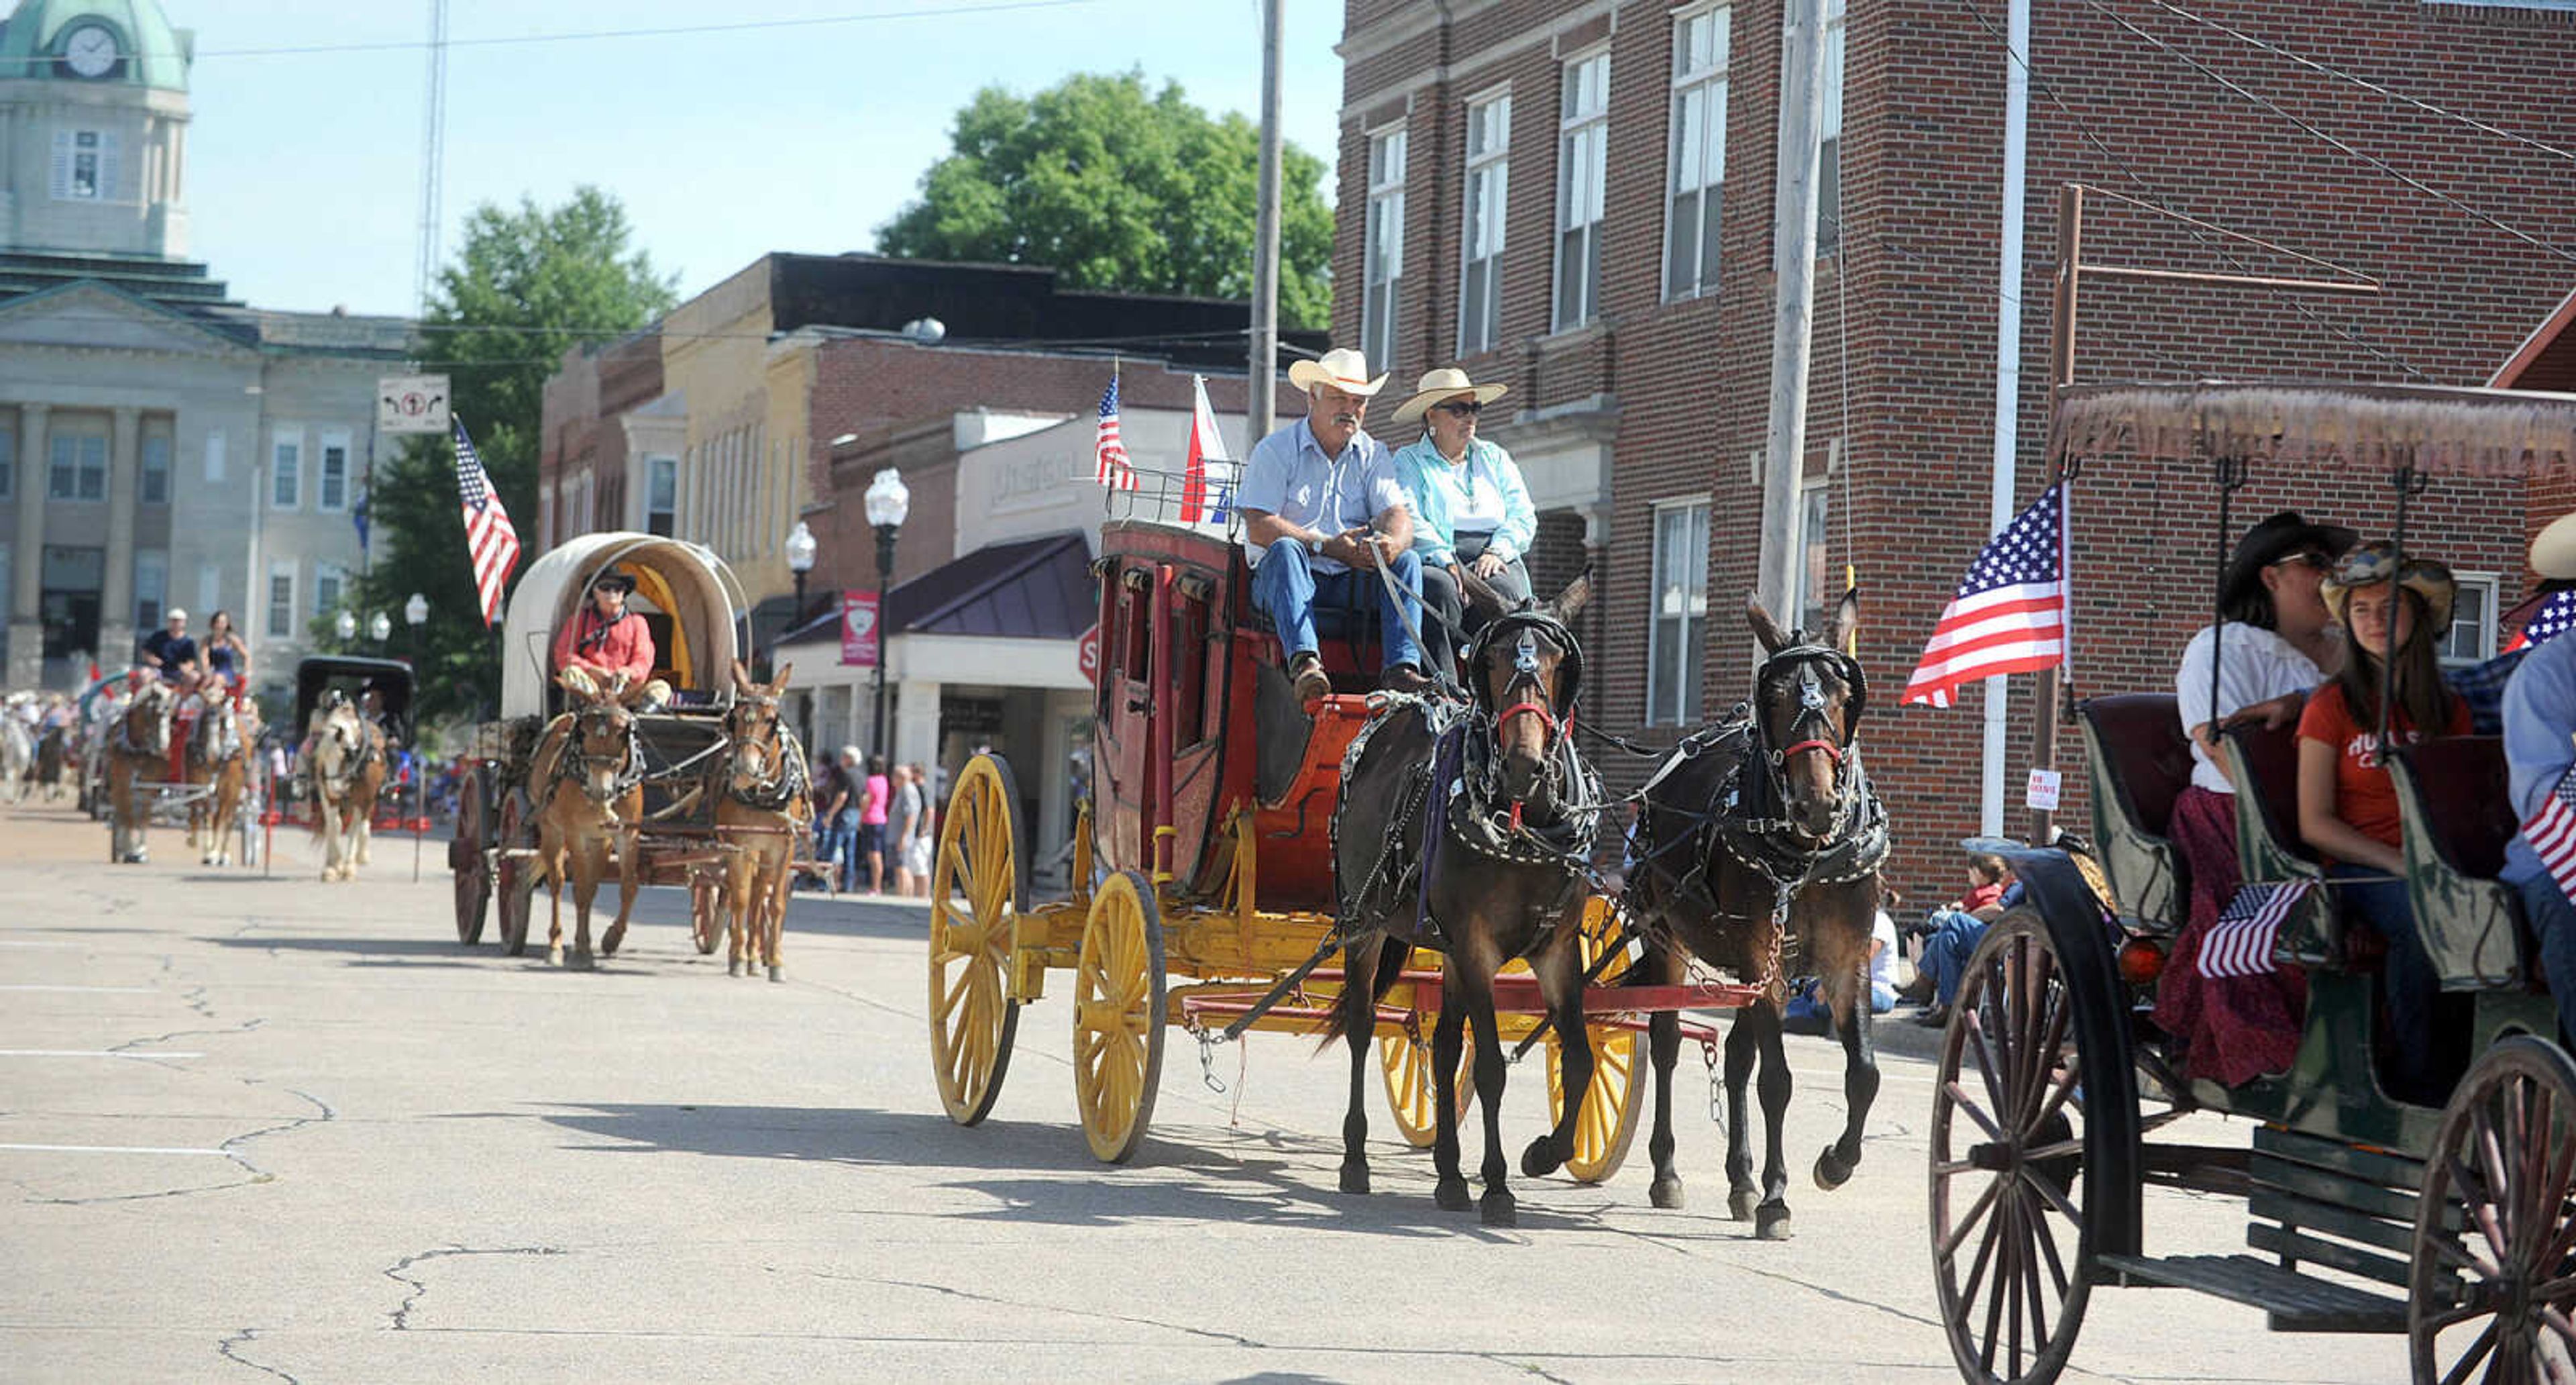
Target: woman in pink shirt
[(872, 823)]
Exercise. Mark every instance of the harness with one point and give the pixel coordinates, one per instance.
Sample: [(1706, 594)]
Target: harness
[(574, 764), (120, 739), (361, 755), (789, 777), (217, 739)]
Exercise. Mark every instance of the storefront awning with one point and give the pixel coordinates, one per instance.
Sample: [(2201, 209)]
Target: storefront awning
[(1032, 589)]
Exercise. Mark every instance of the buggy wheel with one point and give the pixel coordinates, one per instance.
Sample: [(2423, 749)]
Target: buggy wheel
[(2012, 1201), (469, 864), (1611, 1102), (1412, 1094), (516, 879), (2493, 1286), (706, 909), (974, 936), (1118, 1017)]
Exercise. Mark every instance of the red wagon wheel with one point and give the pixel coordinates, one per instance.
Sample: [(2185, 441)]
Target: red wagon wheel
[(2011, 1193), (706, 908), (516, 881), (466, 860), (2492, 1291)]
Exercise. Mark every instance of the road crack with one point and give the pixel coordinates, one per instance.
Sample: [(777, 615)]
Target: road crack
[(245, 1336), (400, 1319), (253, 1173)]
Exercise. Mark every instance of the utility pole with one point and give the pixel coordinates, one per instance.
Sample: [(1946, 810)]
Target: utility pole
[(2008, 290), (433, 157), (1793, 269), (1260, 391)]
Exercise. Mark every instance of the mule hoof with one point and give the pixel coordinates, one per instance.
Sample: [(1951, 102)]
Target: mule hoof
[(1740, 1203), (554, 955), (1771, 1222), (1355, 1179), (610, 941), (778, 973), (1499, 1209), (1451, 1195), (1831, 1171), (1665, 1193), (584, 961), (1540, 1159), (734, 967)]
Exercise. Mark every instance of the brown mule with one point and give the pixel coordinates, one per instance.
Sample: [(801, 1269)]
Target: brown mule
[(136, 750), (345, 765), (763, 810), (217, 759), (587, 780)]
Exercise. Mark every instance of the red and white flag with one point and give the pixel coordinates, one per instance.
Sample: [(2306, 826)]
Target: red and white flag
[(1206, 445), (2240, 943), (491, 543), (2551, 833), (2010, 613), (1109, 463)]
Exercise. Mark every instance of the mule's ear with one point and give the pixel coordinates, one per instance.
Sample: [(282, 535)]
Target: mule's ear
[(1570, 602), (741, 676), (1847, 619), (778, 680), (1774, 639), (1481, 596)]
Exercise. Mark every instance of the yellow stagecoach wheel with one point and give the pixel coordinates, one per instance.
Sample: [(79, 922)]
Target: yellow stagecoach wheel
[(1610, 1104), (1410, 1090), (974, 913), (1118, 1017)]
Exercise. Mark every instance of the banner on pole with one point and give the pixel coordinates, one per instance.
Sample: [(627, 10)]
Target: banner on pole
[(859, 629)]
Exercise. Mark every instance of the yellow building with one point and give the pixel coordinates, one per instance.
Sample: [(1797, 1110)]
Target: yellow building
[(745, 473)]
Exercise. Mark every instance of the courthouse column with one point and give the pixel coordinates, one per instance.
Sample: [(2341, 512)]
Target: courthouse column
[(116, 633), (27, 558)]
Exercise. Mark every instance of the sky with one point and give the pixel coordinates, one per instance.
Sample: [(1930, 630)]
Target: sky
[(304, 168)]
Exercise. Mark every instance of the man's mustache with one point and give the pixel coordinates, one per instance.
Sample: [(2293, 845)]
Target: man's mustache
[(1346, 419)]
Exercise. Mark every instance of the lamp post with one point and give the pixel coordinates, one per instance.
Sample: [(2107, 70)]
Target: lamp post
[(800, 560), (416, 615), (346, 627), (888, 502), (380, 628)]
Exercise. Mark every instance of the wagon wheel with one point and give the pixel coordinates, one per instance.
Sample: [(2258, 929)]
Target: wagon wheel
[(2497, 1298), (1118, 1017), (1405, 1063), (516, 879), (1613, 1099), (974, 916), (2012, 1197), (706, 909), (468, 863)]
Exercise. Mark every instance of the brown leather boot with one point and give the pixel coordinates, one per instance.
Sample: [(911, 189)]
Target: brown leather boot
[(1405, 678), (1308, 671)]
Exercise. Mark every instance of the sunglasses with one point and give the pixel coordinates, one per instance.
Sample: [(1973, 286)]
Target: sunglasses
[(1465, 408), (2306, 559)]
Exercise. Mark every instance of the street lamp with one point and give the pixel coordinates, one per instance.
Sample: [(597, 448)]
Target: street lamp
[(380, 628), (346, 626), (800, 560), (888, 502), (416, 615)]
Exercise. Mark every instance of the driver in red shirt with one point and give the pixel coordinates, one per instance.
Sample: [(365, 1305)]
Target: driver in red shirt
[(611, 641)]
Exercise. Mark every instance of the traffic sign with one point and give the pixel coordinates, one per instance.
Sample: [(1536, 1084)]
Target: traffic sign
[(1086, 654), (411, 404)]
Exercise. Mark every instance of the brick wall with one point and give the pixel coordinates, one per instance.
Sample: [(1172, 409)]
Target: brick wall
[(1910, 386)]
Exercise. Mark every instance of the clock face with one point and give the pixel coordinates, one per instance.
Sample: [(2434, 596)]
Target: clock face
[(91, 50)]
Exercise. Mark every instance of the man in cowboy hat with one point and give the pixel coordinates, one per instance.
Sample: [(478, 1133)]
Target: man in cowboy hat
[(610, 640), (1324, 517), (2539, 751)]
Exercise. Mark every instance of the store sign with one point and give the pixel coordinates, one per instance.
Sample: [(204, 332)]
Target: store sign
[(859, 629), (1086, 654)]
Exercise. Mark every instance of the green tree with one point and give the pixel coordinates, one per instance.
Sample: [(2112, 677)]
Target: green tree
[(1119, 188), (527, 284)]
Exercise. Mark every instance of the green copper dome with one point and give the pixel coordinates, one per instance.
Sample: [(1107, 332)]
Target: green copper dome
[(45, 39)]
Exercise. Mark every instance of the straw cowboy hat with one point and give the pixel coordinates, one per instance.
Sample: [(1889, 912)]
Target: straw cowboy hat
[(2376, 562), (1342, 368), (1448, 382), (2553, 554)]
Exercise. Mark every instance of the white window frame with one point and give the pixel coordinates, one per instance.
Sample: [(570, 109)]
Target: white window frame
[(1697, 172), (69, 156), (1684, 698), (1829, 134), (215, 455), (1814, 496), (1485, 221), (210, 589), (323, 446), (279, 619), (2490, 587), (81, 468), (284, 469), (151, 584), (668, 469), (337, 578), (1382, 244), (1582, 170), (145, 470)]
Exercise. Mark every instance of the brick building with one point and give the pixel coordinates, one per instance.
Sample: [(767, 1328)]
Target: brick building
[(1577, 199)]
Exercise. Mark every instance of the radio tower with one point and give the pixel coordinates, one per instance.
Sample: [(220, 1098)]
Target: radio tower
[(433, 157)]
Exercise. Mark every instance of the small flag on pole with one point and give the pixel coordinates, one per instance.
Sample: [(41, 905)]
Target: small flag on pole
[(2240, 943), (2010, 613), (1206, 445), (2551, 834), (1109, 464), (358, 517), (2556, 617), (490, 541)]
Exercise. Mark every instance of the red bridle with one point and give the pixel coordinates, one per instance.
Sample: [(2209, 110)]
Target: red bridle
[(1832, 751), (1553, 725)]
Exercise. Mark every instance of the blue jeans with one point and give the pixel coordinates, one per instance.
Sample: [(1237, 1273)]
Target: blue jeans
[(841, 847), (1286, 589), (2407, 985), (2553, 923), (1953, 939)]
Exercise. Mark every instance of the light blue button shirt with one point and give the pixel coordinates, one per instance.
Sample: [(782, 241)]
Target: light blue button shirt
[(1289, 476), (2539, 721), (1487, 484)]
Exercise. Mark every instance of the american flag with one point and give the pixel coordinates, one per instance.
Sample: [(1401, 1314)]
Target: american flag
[(2010, 613), (1110, 466), (489, 540), (2240, 943), (2556, 617), (2551, 833)]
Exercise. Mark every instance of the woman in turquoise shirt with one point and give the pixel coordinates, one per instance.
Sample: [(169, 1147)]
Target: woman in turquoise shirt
[(1471, 511)]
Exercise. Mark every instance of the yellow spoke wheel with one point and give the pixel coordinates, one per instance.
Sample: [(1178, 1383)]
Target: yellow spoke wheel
[(1608, 1122), (1411, 1092), (1118, 1017), (974, 926)]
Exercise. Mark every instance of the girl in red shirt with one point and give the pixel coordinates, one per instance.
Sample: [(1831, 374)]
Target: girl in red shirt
[(2348, 804)]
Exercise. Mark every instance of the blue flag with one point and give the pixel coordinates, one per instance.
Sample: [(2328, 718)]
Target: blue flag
[(358, 516)]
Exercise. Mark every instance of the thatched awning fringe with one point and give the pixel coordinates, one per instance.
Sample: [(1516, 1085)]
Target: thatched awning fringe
[(2475, 432)]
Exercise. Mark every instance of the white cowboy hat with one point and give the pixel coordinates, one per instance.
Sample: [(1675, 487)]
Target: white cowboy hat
[(2553, 554), (1342, 368), (1447, 382)]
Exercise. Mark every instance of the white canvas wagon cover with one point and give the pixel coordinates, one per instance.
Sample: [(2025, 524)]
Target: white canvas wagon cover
[(674, 578)]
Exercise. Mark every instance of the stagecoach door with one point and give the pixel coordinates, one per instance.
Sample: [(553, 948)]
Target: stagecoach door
[(1163, 703)]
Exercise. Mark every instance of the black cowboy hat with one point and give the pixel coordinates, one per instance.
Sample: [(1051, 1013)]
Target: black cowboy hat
[(2266, 543), (614, 580)]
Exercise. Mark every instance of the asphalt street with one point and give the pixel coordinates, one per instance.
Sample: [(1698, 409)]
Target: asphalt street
[(259, 1126)]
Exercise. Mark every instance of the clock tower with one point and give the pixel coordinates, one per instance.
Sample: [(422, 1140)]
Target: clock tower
[(93, 129)]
